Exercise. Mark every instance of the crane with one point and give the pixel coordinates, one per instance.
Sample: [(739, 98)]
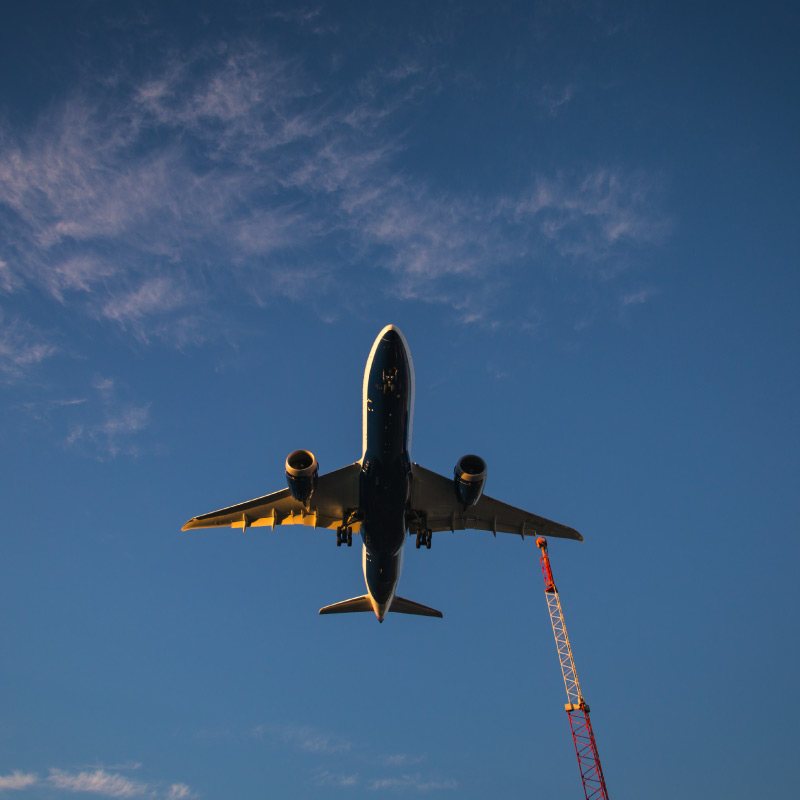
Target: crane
[(594, 784)]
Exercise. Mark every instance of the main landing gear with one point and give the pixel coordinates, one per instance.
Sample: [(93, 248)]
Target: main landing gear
[(424, 537), (345, 536)]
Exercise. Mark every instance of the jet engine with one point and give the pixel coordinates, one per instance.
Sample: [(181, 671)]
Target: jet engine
[(469, 477), (301, 475)]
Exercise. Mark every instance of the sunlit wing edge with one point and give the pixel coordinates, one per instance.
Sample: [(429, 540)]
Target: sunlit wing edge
[(335, 496)]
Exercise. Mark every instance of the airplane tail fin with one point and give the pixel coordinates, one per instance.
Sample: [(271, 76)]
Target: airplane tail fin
[(348, 606), (402, 606)]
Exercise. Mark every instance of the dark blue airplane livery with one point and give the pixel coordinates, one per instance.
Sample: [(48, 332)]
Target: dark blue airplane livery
[(384, 494)]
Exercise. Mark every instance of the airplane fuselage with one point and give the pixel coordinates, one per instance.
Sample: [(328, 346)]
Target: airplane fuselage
[(383, 495), (385, 479)]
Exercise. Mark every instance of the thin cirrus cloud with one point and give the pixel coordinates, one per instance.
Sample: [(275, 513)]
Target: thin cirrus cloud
[(407, 782), (107, 426), (17, 780), (22, 346), (321, 746), (326, 778), (414, 782), (97, 781), (304, 737), (233, 171), (179, 791)]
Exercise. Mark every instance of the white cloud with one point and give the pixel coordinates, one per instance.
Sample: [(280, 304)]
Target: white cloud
[(113, 435), (22, 347), (637, 298), (305, 737), (108, 427), (77, 274), (97, 782), (233, 172), (127, 765), (104, 385), (8, 281), (413, 782), (17, 780), (326, 778), (401, 759), (153, 297), (179, 791), (555, 98)]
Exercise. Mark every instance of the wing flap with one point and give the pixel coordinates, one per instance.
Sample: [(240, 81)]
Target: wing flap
[(335, 496), (434, 499)]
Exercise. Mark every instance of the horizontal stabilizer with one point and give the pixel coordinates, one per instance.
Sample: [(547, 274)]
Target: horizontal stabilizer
[(402, 606), (349, 606)]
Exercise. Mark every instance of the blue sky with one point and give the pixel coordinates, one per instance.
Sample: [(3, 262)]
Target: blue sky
[(583, 216)]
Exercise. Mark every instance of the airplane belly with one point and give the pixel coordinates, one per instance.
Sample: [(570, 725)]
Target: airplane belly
[(384, 493), (381, 573), (385, 481)]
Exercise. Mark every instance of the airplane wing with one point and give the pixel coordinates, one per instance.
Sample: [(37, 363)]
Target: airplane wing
[(334, 499), (435, 505)]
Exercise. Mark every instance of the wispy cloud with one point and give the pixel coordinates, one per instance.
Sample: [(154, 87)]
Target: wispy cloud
[(22, 347), (153, 298), (108, 427), (326, 778), (416, 783), (322, 748), (218, 159), (123, 767), (305, 737), (17, 780), (555, 98), (98, 781), (179, 791), (152, 201), (637, 298), (401, 759), (112, 436)]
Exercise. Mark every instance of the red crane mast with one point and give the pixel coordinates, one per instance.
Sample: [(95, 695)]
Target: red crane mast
[(594, 784)]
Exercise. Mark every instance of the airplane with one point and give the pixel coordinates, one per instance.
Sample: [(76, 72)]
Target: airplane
[(384, 494)]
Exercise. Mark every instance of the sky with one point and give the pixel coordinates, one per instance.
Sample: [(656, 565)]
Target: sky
[(583, 217)]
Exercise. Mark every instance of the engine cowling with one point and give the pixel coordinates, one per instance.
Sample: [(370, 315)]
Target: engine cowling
[(302, 469), (469, 477)]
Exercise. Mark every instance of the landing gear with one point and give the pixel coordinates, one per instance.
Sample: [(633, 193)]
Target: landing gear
[(344, 536), (424, 537)]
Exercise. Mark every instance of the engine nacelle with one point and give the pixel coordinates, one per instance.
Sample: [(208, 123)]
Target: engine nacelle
[(469, 477), (301, 475)]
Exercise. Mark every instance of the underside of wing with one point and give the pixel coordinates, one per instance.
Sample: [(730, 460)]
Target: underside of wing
[(332, 505), (436, 506)]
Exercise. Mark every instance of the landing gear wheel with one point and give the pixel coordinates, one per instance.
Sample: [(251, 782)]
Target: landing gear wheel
[(428, 539), (344, 536)]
